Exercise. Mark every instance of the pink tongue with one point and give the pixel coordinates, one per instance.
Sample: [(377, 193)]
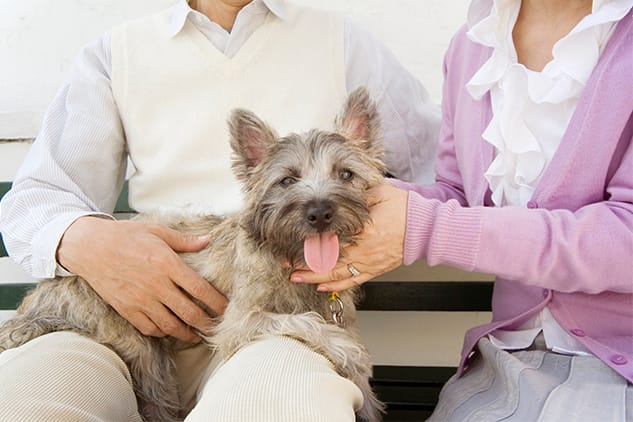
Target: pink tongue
[(321, 251)]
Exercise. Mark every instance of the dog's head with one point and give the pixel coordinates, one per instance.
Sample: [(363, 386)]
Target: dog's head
[(306, 194)]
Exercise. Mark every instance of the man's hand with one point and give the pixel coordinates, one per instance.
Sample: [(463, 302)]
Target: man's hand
[(134, 266)]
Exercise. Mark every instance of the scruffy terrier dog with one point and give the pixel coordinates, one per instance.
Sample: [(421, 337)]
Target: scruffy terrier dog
[(305, 199)]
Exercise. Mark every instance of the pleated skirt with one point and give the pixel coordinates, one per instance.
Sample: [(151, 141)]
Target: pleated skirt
[(535, 385)]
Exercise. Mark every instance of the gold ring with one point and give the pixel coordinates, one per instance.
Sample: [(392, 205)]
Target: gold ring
[(353, 270)]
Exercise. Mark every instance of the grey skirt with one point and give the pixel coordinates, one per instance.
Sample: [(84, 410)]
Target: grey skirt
[(535, 385)]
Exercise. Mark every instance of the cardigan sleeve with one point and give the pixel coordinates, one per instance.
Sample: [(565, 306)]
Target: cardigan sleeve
[(589, 250)]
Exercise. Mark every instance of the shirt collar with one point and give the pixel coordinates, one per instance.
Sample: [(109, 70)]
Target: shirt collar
[(181, 11), (480, 9)]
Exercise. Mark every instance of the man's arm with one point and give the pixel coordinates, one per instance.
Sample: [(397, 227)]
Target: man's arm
[(410, 120), (72, 174), (75, 167)]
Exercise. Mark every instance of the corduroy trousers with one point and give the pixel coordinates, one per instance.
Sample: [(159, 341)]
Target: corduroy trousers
[(66, 377)]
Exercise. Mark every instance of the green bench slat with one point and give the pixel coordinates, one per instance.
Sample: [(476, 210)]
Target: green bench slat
[(407, 375), (11, 295), (4, 188), (122, 206), (452, 296), (441, 296), (398, 414), (3, 251), (410, 392)]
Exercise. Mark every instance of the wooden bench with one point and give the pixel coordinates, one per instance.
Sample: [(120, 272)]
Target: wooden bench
[(410, 392)]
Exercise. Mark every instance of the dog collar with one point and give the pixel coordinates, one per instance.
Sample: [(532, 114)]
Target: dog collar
[(336, 307)]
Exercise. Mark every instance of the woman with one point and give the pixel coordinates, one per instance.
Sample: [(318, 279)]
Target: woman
[(535, 185)]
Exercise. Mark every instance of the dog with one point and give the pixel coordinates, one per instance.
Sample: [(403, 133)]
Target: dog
[(305, 199)]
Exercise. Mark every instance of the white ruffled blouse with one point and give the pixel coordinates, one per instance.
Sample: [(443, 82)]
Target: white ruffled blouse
[(531, 110)]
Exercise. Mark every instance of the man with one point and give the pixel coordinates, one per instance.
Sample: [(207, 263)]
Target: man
[(158, 90)]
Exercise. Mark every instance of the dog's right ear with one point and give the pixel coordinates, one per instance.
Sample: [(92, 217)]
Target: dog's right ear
[(250, 139), (360, 122)]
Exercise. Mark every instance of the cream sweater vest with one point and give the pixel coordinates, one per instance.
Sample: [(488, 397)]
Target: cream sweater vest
[(175, 93)]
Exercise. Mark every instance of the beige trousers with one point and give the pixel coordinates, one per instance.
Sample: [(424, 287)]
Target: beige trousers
[(66, 377)]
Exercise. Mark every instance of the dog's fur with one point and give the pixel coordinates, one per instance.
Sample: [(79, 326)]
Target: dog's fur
[(283, 179)]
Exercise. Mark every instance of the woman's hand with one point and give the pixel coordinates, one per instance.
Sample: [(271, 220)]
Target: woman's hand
[(379, 248), (134, 267)]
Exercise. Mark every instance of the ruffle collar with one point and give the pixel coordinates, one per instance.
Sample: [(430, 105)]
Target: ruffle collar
[(520, 156), (575, 55)]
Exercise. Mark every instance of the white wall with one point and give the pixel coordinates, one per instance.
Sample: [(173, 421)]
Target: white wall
[(39, 40)]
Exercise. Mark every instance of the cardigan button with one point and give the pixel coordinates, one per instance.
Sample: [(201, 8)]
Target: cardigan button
[(532, 204), (578, 332), (619, 359)]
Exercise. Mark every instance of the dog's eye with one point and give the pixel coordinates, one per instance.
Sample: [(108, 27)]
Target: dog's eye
[(287, 181), (345, 174)]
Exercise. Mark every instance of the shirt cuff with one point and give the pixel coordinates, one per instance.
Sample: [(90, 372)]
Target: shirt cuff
[(45, 243)]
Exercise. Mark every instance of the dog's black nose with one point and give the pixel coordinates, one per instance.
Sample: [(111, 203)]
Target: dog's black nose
[(320, 214)]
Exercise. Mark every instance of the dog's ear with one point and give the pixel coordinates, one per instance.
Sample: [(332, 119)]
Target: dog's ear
[(359, 119), (250, 139)]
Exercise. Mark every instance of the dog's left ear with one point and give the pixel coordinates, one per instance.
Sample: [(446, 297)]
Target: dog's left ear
[(250, 139), (359, 120)]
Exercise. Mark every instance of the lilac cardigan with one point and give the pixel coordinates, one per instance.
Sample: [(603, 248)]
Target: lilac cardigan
[(572, 247)]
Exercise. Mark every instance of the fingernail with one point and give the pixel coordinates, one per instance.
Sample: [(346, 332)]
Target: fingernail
[(296, 279), (321, 289)]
